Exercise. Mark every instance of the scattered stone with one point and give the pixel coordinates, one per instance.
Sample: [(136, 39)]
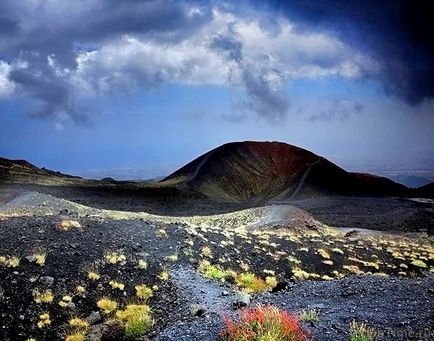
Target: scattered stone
[(94, 317), (46, 281), (242, 299), (197, 310), (110, 330), (225, 293)]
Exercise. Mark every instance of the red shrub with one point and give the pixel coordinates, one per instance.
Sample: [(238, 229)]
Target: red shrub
[(264, 323)]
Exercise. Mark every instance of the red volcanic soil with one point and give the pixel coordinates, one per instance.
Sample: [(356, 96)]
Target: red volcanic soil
[(258, 171)]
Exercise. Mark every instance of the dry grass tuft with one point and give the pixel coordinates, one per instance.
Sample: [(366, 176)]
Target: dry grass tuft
[(143, 291), (67, 225), (93, 275), (107, 305), (114, 257), (164, 275), (207, 252), (78, 323), (45, 296), (117, 285), (248, 282), (137, 318), (44, 320), (76, 336), (361, 332), (10, 261), (142, 264), (38, 256), (309, 315), (211, 271)]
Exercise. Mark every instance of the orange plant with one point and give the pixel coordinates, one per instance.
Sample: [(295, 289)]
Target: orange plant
[(264, 323)]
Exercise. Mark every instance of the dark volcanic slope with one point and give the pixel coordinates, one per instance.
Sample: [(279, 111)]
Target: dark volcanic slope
[(21, 171), (426, 191), (242, 171)]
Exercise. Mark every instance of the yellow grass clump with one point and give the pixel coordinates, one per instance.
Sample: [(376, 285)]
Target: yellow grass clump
[(44, 320), (324, 253), (164, 275), (248, 282), (207, 252), (93, 275), (142, 264), (143, 291), (137, 319), (45, 296), (106, 305), (10, 261), (76, 336), (117, 285), (78, 323), (114, 257), (66, 225)]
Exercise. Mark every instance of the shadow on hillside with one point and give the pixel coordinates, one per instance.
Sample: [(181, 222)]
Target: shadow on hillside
[(383, 214), (166, 201)]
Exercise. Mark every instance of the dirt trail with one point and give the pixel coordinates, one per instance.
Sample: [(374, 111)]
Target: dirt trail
[(303, 179)]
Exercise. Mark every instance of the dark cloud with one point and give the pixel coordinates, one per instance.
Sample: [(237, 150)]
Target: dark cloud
[(267, 102), (399, 34), (229, 45), (337, 110), (263, 99), (32, 34)]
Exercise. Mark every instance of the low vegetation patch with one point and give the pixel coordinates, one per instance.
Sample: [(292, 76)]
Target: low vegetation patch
[(106, 305), (264, 323), (76, 336), (309, 315), (211, 271), (142, 264), (143, 291), (248, 282), (137, 319), (117, 285), (9, 261), (93, 275), (361, 332), (66, 225), (114, 257), (44, 320), (38, 256), (45, 296), (78, 323), (207, 252)]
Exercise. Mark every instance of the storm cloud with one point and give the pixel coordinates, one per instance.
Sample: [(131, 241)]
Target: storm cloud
[(62, 53), (397, 34)]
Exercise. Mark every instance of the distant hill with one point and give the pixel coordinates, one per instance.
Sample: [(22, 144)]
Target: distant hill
[(426, 191), (21, 171), (412, 181), (258, 171)]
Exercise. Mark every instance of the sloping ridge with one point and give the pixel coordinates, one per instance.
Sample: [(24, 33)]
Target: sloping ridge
[(426, 191), (260, 171), (22, 171)]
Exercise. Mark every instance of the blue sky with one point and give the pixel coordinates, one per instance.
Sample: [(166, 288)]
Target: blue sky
[(133, 93)]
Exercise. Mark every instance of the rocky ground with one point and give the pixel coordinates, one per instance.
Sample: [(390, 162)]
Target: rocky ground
[(385, 280)]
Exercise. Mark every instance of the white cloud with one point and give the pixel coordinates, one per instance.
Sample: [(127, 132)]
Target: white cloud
[(6, 85), (288, 54), (267, 59), (226, 50)]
